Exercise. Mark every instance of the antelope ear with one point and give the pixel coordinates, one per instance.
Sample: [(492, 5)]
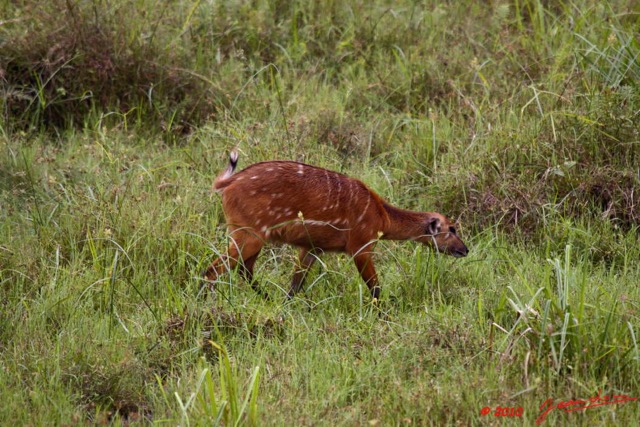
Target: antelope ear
[(433, 226)]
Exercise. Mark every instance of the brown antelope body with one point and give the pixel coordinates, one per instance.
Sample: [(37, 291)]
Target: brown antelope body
[(316, 210)]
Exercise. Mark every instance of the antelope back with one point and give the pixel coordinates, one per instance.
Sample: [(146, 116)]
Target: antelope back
[(302, 205)]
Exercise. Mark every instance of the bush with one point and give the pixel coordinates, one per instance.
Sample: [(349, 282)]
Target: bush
[(65, 61)]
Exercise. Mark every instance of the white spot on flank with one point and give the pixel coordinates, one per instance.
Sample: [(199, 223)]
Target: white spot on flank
[(326, 175), (351, 184), (364, 211), (253, 193), (254, 177), (300, 170), (240, 178), (269, 169), (264, 229)]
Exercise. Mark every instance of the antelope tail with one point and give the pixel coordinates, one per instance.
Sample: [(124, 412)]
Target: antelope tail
[(223, 179)]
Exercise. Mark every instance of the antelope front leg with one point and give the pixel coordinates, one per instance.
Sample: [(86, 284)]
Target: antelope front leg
[(364, 262)]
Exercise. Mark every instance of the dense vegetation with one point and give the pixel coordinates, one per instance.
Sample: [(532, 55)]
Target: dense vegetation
[(520, 118)]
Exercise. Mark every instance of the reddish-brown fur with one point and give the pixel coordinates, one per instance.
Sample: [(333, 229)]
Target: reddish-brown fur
[(317, 210)]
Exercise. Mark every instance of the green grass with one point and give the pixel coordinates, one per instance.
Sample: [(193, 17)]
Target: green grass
[(519, 118)]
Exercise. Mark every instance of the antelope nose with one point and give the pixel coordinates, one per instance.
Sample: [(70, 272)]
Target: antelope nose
[(462, 252)]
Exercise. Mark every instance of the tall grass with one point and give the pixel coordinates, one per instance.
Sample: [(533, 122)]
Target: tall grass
[(217, 400), (518, 118)]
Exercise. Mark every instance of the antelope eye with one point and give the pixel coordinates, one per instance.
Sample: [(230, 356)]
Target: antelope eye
[(452, 230)]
